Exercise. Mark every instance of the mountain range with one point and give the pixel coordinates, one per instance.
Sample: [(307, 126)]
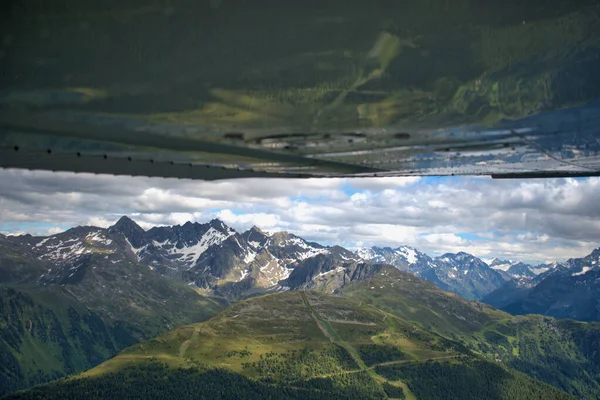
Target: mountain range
[(74, 299), (223, 262), (216, 260), (461, 273)]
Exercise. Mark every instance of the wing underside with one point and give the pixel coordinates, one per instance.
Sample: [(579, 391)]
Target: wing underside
[(233, 89)]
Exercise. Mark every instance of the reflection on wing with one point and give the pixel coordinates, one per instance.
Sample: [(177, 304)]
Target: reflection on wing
[(229, 88)]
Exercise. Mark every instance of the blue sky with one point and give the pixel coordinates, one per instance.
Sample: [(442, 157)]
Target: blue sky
[(31, 227), (532, 220)]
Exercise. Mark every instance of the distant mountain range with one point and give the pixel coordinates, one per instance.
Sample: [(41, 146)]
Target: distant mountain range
[(461, 273), (565, 290), (221, 262)]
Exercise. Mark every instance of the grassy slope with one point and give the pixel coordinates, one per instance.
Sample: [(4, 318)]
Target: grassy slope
[(270, 324)]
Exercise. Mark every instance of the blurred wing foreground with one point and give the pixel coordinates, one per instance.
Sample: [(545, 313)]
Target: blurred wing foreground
[(229, 88)]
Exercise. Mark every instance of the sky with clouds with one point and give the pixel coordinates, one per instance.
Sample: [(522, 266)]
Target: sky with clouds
[(531, 220)]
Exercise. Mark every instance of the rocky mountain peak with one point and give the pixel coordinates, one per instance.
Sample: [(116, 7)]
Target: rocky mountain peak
[(130, 230), (256, 229), (280, 236), (126, 225), (496, 261), (521, 270), (219, 225), (255, 237), (461, 255)]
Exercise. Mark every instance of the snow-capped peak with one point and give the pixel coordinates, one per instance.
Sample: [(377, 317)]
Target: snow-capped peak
[(366, 253), (404, 254), (408, 253), (500, 265)]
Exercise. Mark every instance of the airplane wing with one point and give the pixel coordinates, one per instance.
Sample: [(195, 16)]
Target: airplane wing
[(232, 89)]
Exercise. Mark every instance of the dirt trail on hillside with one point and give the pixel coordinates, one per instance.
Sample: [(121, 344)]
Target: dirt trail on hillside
[(343, 321), (185, 345)]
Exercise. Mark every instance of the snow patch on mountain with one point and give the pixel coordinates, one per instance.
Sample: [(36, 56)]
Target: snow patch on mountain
[(160, 244), (543, 268), (191, 254), (264, 268), (306, 249), (274, 272), (250, 256), (584, 271), (337, 269), (98, 237), (63, 251), (136, 250), (40, 244), (502, 267), (311, 252)]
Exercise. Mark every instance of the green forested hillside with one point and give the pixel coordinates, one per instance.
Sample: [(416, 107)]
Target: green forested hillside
[(46, 333), (433, 380), (559, 352), (310, 345), (468, 380), (159, 381)]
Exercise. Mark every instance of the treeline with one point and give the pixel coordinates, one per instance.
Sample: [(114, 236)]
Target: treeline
[(375, 354), (158, 381), (350, 385), (302, 364)]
